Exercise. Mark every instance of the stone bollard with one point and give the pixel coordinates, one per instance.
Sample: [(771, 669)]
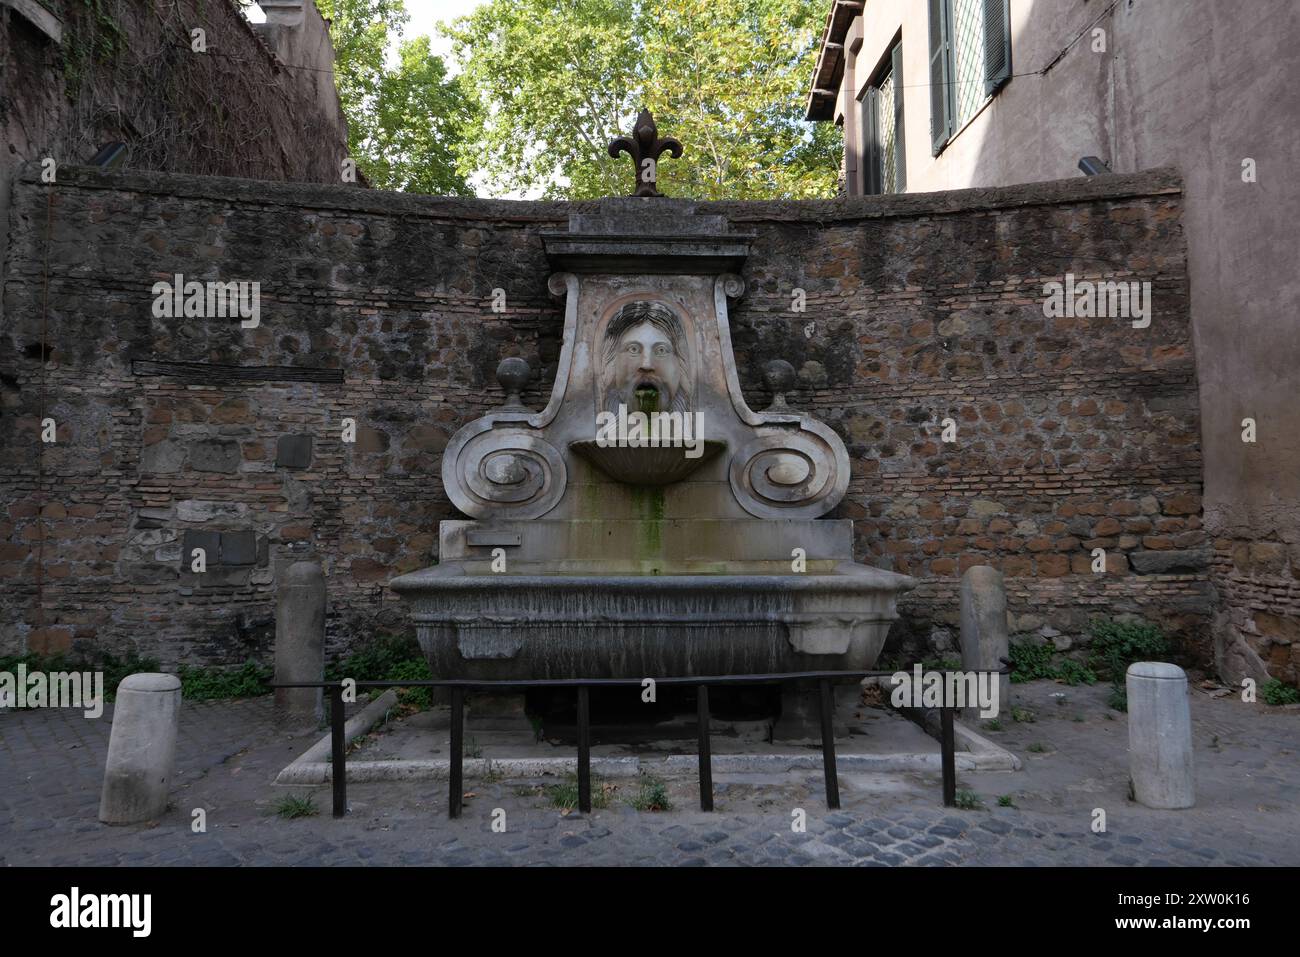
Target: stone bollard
[(984, 629), (300, 643), (141, 749), (1159, 735)]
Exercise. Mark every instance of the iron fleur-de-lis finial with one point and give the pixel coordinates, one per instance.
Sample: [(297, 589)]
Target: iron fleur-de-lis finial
[(645, 148)]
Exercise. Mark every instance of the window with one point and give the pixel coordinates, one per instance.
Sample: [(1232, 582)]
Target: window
[(883, 164), (970, 59)]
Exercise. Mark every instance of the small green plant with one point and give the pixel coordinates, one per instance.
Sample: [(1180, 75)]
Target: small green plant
[(969, 800), (940, 664), (1117, 644), (1031, 661), (1074, 673), (388, 658), (293, 806), (1006, 801), (993, 725), (472, 748), (210, 684), (652, 795), (1276, 693), (1023, 716), (564, 795), (113, 667), (417, 670), (1037, 747)]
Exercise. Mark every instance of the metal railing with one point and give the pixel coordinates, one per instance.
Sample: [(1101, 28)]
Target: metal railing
[(458, 687)]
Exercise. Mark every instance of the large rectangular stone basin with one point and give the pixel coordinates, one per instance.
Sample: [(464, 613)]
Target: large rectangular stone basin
[(525, 626)]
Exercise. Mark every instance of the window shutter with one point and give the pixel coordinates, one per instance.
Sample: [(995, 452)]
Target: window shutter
[(997, 44), (940, 74), (900, 151), (871, 143)]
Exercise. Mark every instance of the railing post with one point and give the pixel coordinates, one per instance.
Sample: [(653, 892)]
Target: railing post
[(456, 787), (828, 744), (339, 752), (948, 757), (706, 758), (584, 751)]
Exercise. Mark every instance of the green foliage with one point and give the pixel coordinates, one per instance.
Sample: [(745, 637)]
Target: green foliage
[(1005, 800), (1031, 661), (565, 794), (403, 122), (652, 795), (197, 683), (90, 36), (1118, 644), (1277, 693), (375, 660), (202, 684), (559, 79), (113, 667), (415, 670), (387, 658), (969, 800), (1037, 747), (1023, 716), (993, 725), (1075, 673), (940, 664), (293, 806)]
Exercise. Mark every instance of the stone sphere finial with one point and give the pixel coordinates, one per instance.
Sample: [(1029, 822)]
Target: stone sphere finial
[(513, 374), (780, 378)]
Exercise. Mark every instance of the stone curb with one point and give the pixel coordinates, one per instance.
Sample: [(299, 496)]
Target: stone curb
[(982, 755), (307, 767)]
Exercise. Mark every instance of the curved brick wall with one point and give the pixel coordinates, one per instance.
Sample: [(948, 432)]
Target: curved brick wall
[(1072, 433)]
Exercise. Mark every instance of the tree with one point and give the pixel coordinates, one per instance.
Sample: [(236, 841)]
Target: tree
[(403, 123), (559, 79)]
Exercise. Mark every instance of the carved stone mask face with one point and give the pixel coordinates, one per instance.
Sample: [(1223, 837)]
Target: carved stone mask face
[(644, 366), (646, 360)]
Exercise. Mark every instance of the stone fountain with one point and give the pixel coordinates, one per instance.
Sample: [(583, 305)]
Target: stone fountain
[(647, 522)]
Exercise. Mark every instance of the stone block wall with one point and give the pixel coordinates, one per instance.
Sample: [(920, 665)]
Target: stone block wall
[(1071, 434)]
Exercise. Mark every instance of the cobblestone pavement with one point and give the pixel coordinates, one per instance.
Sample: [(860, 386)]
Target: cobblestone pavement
[(51, 765)]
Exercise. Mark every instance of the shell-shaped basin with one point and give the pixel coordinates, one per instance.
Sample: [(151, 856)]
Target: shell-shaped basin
[(647, 464)]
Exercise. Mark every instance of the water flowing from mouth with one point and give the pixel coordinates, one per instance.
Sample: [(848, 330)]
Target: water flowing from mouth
[(647, 399)]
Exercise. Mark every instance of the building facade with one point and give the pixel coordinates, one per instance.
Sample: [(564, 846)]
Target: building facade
[(953, 94)]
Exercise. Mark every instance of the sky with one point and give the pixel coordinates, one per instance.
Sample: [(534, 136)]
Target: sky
[(425, 13)]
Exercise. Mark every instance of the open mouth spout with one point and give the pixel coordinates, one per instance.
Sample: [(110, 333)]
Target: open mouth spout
[(647, 395)]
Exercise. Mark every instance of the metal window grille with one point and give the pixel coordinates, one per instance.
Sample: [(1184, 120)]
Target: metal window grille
[(886, 135), (968, 56)]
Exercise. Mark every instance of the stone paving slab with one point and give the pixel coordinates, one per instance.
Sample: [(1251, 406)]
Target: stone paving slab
[(51, 765)]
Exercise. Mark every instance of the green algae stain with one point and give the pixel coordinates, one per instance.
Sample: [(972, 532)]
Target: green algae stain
[(647, 400), (650, 520)]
